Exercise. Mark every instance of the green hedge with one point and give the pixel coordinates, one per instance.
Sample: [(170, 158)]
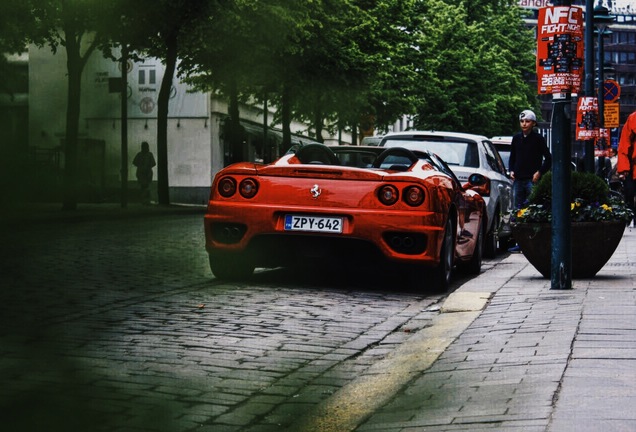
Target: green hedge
[(584, 185)]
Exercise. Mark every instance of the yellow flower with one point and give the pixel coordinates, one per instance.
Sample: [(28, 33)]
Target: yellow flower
[(521, 212), (575, 205), (606, 208)]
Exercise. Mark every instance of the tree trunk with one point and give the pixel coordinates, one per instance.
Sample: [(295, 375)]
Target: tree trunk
[(267, 151), (163, 190), (72, 131), (286, 119), (318, 123), (124, 126), (234, 127), (75, 65)]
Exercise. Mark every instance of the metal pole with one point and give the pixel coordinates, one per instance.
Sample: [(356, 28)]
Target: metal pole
[(561, 263), (601, 78), (589, 75), (561, 259)]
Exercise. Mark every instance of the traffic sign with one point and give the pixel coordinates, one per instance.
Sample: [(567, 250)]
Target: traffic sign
[(611, 91), (611, 113)]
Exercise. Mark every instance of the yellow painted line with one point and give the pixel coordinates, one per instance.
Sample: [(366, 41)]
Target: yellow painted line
[(349, 406)]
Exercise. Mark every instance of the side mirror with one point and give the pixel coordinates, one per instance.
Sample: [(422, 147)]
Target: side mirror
[(479, 183)]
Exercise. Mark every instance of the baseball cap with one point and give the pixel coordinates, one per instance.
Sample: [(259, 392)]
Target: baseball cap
[(527, 115)]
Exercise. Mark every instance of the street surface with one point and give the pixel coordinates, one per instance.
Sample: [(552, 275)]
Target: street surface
[(117, 324)]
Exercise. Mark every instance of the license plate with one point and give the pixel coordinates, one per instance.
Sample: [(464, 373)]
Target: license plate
[(313, 223)]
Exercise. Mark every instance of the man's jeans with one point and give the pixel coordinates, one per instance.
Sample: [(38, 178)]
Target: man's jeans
[(521, 190)]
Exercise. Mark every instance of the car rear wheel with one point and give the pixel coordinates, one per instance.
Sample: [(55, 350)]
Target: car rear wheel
[(437, 280), (491, 242), (473, 266), (230, 266)]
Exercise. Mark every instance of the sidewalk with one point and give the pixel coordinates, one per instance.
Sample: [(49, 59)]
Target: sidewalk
[(534, 359)]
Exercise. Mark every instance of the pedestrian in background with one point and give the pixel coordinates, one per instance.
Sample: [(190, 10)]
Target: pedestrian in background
[(144, 161), (530, 158), (626, 158)]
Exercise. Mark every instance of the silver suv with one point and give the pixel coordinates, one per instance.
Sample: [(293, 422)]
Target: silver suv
[(468, 154)]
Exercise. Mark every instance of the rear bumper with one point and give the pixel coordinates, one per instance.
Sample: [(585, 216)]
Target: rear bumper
[(259, 231)]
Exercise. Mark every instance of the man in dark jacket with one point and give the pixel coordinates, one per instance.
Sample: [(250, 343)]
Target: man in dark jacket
[(530, 158)]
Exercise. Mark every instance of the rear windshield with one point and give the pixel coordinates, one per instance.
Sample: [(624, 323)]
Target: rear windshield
[(460, 153)]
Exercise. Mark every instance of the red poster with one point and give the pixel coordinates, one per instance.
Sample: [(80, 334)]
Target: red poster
[(560, 49), (587, 123), (601, 146)]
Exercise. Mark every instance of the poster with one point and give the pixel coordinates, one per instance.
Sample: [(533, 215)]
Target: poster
[(560, 50), (587, 120)]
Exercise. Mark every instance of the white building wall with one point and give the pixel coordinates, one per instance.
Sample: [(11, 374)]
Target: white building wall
[(195, 149)]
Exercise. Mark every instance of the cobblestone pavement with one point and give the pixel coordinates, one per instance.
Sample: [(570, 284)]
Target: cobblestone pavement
[(111, 320)]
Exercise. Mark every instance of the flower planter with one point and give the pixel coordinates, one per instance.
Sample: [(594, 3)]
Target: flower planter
[(593, 244)]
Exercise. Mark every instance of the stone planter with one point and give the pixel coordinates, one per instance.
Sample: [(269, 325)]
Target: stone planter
[(593, 244)]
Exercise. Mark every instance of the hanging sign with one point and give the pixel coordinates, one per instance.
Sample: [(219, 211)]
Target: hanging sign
[(587, 123), (560, 49)]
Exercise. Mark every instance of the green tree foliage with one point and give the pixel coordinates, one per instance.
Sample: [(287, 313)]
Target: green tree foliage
[(388, 40), (457, 64), (247, 49), (15, 20), (475, 56)]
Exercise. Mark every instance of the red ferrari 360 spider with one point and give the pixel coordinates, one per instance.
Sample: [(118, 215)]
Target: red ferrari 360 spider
[(343, 204)]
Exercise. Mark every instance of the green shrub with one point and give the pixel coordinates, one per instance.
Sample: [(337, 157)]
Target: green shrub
[(585, 186), (590, 200)]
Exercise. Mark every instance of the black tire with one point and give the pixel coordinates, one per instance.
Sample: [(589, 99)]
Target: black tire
[(473, 266), (491, 242), (230, 266), (440, 276)]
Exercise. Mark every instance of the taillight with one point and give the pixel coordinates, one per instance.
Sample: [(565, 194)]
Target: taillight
[(413, 196), (248, 188), (388, 195), (227, 187)]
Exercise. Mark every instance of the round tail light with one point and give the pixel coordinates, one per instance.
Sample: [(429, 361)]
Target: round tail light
[(227, 187), (388, 195), (248, 188), (414, 196)]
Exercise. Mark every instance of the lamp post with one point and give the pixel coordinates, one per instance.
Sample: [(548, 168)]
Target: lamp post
[(589, 77), (602, 33), (561, 254), (602, 19)]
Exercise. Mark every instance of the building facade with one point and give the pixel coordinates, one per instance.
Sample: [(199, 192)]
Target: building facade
[(197, 148)]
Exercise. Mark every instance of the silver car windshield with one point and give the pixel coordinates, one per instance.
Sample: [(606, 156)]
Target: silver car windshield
[(460, 153)]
